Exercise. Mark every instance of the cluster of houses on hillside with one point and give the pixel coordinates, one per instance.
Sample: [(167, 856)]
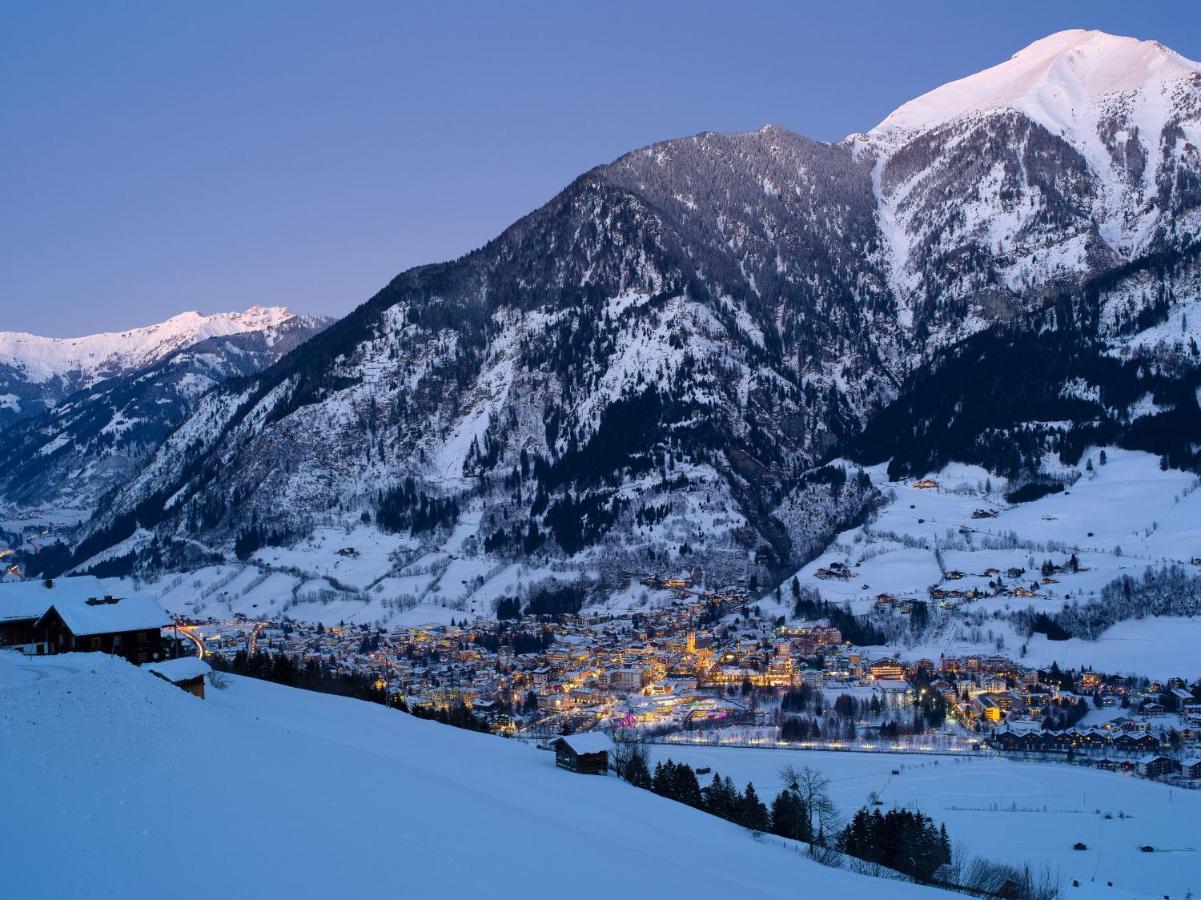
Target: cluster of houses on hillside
[(663, 669)]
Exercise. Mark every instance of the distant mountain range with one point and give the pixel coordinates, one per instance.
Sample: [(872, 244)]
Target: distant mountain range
[(659, 365), (85, 412)]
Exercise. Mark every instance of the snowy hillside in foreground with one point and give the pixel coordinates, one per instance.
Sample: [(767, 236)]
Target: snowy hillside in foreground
[(268, 791), (1119, 519), (1024, 813)]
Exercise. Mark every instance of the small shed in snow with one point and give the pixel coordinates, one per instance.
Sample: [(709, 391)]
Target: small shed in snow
[(586, 753), (187, 672)]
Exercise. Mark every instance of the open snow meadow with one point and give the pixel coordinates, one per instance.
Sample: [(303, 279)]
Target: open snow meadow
[(1025, 813)]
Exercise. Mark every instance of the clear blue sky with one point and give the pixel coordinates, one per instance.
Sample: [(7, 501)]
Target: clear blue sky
[(164, 156)]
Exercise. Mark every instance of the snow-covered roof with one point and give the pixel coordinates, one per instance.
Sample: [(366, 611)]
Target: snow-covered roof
[(30, 599), (135, 613), (183, 669), (587, 742)]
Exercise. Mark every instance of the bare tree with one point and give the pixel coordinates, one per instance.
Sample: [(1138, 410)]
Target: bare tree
[(813, 788), (630, 754)]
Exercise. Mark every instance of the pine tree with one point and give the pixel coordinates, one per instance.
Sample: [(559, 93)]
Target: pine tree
[(752, 812)]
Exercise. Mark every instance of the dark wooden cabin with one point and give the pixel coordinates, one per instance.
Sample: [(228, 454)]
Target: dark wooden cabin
[(130, 627), (587, 753)]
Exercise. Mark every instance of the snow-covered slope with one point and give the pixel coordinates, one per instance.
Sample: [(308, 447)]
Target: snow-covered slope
[(36, 372), (266, 791), (1120, 517), (1023, 813)]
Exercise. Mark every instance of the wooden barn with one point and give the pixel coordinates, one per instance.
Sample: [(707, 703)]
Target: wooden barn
[(587, 753), (187, 672)]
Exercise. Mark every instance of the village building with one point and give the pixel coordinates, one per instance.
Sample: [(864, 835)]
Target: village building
[(886, 669), (1156, 766)]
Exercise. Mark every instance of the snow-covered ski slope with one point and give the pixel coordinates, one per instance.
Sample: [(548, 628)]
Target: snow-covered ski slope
[(117, 784)]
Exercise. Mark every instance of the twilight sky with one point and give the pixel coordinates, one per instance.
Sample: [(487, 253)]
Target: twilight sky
[(160, 157)]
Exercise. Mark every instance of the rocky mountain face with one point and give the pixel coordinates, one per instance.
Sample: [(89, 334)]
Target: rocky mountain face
[(94, 439), (666, 363)]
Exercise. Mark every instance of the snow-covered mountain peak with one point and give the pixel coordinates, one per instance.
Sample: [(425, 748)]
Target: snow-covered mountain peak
[(1060, 81), (40, 359)]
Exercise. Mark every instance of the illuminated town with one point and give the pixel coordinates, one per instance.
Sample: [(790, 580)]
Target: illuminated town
[(709, 668)]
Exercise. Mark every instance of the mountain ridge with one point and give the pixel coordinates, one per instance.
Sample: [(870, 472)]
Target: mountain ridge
[(686, 336)]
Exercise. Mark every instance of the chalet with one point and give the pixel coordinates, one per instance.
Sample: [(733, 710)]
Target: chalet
[(925, 484), (130, 627), (586, 754), (1130, 743), (187, 672), (1156, 766), (835, 570), (22, 603), (1191, 768)]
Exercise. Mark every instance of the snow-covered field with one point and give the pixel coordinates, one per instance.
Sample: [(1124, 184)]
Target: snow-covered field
[(1156, 647), (1017, 812), (119, 784)]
